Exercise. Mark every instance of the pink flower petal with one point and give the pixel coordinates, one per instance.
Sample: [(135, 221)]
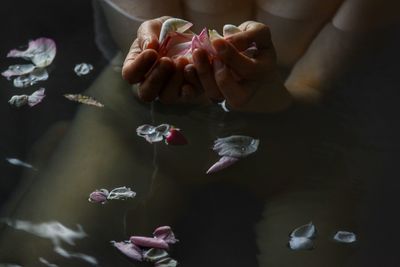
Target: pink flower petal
[(149, 242), (165, 233), (223, 163), (36, 97), (128, 249), (40, 51), (99, 196), (175, 137)]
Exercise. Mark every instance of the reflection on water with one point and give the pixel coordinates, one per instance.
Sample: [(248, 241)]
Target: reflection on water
[(57, 233)]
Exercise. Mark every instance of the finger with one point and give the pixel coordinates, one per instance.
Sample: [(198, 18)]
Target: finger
[(205, 73), (252, 32), (171, 92), (191, 77), (244, 66), (137, 65), (149, 32), (188, 94), (235, 94), (155, 81)]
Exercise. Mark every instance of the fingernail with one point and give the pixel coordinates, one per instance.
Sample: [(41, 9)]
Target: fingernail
[(218, 65)]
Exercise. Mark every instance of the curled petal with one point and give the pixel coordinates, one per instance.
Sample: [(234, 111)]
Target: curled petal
[(121, 193), (308, 231), (175, 137), (83, 69), (230, 29), (163, 129), (166, 262), (223, 163), (301, 243), (128, 249), (214, 35), (149, 242), (32, 78), (17, 70), (173, 25), (18, 162), (154, 137), (144, 130), (88, 100), (36, 97), (99, 196), (237, 146), (18, 100), (40, 51), (155, 255), (165, 233), (345, 237)]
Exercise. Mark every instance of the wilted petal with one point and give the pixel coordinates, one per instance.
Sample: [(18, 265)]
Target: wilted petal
[(345, 237), (128, 249), (165, 233), (88, 100), (18, 100), (230, 29), (121, 193), (83, 69), (30, 79), (17, 70), (236, 146), (40, 51), (149, 242), (221, 164), (301, 243), (155, 255), (99, 196), (36, 97), (308, 231), (144, 130), (166, 262)]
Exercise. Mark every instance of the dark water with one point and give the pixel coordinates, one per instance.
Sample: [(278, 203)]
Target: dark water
[(336, 166)]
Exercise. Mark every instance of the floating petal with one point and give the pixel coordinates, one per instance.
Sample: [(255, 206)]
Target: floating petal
[(17, 70), (144, 130), (166, 262), (236, 146), (128, 249), (83, 69), (88, 100), (154, 137), (149, 242), (30, 79), (308, 231), (155, 255), (163, 129), (18, 100), (36, 97), (345, 237), (223, 106), (121, 193), (175, 137), (18, 162), (221, 164), (40, 51), (165, 233), (46, 262), (99, 196), (301, 243)]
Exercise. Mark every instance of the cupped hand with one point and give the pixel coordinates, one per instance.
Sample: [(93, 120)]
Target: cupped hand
[(247, 83), (159, 77)]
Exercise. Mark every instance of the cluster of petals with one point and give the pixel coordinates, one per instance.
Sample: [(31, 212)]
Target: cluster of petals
[(151, 249)]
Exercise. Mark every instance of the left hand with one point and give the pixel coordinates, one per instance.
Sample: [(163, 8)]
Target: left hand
[(247, 84)]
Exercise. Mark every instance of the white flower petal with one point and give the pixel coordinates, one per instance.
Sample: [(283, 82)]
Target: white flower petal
[(301, 243), (17, 70), (30, 79), (307, 231), (40, 51), (144, 130), (36, 97), (121, 193), (237, 146), (83, 69), (345, 237), (18, 100)]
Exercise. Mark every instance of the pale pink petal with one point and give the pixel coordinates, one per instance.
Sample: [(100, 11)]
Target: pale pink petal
[(17, 70), (165, 233), (173, 25), (40, 51), (128, 249), (99, 196), (36, 97), (223, 163), (149, 242), (166, 262)]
